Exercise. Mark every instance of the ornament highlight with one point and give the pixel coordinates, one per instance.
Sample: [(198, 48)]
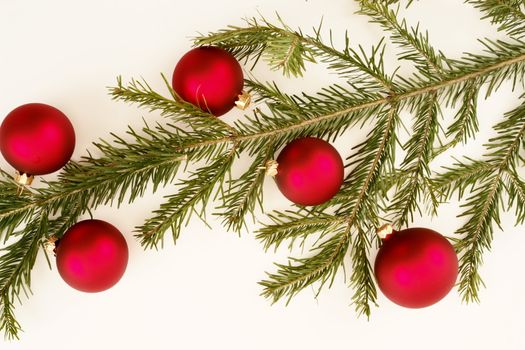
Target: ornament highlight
[(310, 171), (92, 256), (36, 139), (415, 267), (210, 78)]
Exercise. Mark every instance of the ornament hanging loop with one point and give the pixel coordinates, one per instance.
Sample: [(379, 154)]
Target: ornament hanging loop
[(384, 231), (243, 100)]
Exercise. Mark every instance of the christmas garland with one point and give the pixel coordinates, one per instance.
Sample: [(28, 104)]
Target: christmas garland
[(287, 136)]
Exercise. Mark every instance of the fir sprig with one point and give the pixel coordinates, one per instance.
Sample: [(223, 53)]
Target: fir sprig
[(413, 187), (415, 45), (515, 187), (465, 124), (508, 15), (15, 270), (120, 170), (362, 280), (489, 179), (294, 226), (194, 191), (261, 38), (174, 107), (244, 194), (300, 273), (15, 206)]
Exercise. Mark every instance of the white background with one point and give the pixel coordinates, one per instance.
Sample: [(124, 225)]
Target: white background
[(203, 292)]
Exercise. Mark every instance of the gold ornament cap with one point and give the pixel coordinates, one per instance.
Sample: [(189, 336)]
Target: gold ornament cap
[(50, 243), (271, 167), (243, 100), (385, 231), (24, 179)]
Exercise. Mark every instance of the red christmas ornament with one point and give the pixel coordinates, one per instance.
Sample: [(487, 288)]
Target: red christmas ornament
[(92, 256), (310, 171), (415, 267), (37, 139), (210, 78)]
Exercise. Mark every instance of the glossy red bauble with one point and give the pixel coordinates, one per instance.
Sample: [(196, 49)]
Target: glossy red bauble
[(310, 171), (210, 78), (37, 139), (92, 256), (416, 267)]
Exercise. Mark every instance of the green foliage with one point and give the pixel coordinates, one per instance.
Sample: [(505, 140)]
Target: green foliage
[(488, 180), (465, 124), (243, 194), (175, 108), (17, 261), (362, 279), (508, 15), (292, 226), (376, 187), (413, 187), (301, 273), (192, 192), (15, 206), (414, 45), (288, 49)]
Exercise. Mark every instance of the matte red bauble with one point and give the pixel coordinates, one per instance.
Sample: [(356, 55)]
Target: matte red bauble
[(310, 171), (416, 267), (210, 78), (37, 139), (92, 256)]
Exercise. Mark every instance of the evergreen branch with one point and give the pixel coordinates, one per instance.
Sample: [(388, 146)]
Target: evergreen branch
[(132, 166), (287, 49), (370, 159), (245, 193), (19, 258), (301, 273), (193, 191), (294, 226), (175, 108), (362, 279), (507, 14), (477, 232), (15, 205), (494, 51), (484, 205), (373, 157), (515, 187), (498, 66), (8, 323), (414, 44), (465, 123), (292, 60), (510, 140), (413, 187), (503, 156), (325, 115), (407, 3), (125, 167), (15, 273), (496, 70), (124, 170), (461, 176)]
